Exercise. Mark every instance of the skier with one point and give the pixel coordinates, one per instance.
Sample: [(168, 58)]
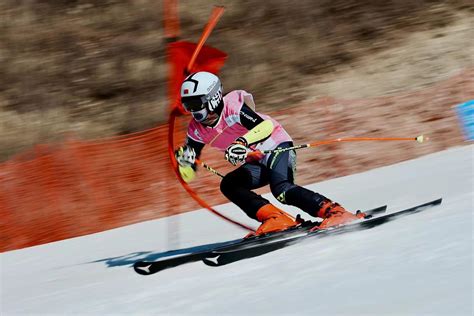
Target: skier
[(230, 124)]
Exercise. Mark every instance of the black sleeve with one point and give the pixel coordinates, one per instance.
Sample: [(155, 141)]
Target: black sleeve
[(197, 146), (249, 118)]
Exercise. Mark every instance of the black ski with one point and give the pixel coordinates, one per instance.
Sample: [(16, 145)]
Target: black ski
[(151, 267), (219, 257), (375, 211)]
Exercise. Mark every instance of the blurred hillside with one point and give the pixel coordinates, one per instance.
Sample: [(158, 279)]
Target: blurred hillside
[(97, 68)]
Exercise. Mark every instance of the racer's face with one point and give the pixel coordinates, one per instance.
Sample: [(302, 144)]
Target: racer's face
[(211, 119)]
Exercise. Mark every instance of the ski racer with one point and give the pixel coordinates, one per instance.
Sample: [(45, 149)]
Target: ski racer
[(230, 124)]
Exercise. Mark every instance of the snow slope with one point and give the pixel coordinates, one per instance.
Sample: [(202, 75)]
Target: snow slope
[(420, 264)]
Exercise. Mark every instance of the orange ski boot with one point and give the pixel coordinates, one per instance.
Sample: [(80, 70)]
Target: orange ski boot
[(334, 215), (273, 220)]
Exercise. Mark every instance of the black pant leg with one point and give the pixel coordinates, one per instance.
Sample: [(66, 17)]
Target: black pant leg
[(281, 167), (237, 186)]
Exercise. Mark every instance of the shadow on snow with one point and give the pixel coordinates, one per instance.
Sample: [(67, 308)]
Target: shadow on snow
[(130, 259)]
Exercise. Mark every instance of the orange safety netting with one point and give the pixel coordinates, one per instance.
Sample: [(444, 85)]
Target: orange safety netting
[(79, 187)]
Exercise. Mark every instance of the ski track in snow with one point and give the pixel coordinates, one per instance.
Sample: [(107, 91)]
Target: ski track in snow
[(419, 264)]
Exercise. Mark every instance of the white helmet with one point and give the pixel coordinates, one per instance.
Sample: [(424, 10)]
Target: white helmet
[(201, 94)]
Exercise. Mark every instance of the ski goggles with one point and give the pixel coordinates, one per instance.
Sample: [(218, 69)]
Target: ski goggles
[(194, 103), (197, 103)]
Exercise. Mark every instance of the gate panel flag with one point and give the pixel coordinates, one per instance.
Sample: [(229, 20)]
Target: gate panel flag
[(179, 54)]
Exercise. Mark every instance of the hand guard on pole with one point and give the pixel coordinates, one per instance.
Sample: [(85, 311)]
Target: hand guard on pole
[(237, 151), (186, 158)]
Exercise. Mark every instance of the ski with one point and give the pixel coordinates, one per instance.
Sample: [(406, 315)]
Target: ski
[(220, 257), (375, 211), (151, 267)]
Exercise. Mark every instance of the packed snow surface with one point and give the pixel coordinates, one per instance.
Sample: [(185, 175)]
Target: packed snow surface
[(415, 265)]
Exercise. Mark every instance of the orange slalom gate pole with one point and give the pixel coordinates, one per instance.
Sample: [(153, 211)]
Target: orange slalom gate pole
[(215, 16), (186, 186), (171, 19)]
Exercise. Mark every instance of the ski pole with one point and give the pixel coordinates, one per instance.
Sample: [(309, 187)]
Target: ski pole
[(419, 139), (209, 168)]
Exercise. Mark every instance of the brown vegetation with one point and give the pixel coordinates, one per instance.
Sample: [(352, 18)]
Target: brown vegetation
[(97, 68)]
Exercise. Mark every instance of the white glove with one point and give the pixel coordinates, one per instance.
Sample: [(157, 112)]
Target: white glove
[(237, 151), (185, 156)]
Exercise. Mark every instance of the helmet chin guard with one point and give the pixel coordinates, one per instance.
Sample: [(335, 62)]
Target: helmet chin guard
[(200, 115)]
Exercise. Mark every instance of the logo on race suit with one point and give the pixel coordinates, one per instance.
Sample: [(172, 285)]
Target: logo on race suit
[(248, 117), (196, 133)]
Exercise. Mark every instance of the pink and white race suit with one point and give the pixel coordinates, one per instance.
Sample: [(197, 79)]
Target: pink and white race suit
[(229, 128)]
